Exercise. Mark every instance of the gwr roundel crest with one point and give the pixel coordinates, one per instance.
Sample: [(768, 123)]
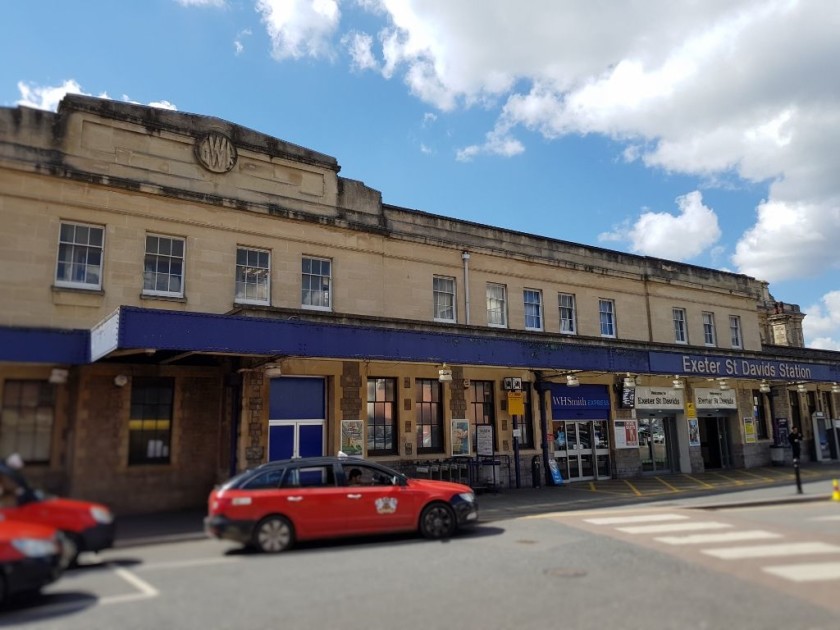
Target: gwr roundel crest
[(216, 152)]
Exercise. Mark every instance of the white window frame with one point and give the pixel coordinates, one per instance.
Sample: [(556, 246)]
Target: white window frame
[(532, 298), (606, 316), (307, 288), (444, 299), (496, 305), (77, 249), (253, 275), (709, 332), (158, 256), (680, 326), (735, 334), (568, 323)]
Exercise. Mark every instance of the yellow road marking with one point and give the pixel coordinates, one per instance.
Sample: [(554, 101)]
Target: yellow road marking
[(702, 483), (666, 484), (633, 488), (762, 477), (737, 482)]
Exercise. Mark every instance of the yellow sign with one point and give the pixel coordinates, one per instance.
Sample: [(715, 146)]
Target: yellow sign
[(516, 403), (690, 411)]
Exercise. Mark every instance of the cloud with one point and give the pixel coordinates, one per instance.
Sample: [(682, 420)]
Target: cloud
[(238, 44), (822, 322), (202, 3), (663, 235), (360, 48), (300, 28), (48, 97)]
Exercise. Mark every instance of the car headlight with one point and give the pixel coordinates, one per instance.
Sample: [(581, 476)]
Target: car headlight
[(469, 497), (35, 547), (101, 515)]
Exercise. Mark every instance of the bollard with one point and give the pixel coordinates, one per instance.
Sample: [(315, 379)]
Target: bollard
[(798, 480), (835, 492)]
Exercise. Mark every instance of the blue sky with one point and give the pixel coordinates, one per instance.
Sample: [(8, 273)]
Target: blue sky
[(702, 132)]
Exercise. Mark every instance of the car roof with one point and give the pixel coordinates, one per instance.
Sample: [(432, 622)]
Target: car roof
[(314, 461)]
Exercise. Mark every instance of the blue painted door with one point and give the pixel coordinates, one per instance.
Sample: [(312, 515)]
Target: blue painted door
[(297, 414)]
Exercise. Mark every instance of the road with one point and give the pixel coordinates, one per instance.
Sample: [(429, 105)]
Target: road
[(575, 569)]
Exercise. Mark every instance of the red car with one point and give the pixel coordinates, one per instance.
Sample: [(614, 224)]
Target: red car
[(86, 526), (272, 506), (30, 558)]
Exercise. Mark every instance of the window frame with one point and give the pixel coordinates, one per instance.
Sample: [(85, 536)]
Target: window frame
[(538, 305), (610, 313), (438, 308), (481, 410), (309, 290), (135, 455), (736, 337), (501, 304), (572, 309), (75, 247), (433, 412), (709, 329), (259, 270), (27, 419), (680, 325), (375, 417), (148, 256)]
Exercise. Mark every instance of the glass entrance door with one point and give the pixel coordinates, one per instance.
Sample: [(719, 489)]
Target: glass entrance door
[(657, 444), (581, 447)]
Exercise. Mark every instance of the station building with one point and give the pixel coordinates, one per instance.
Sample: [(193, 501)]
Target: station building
[(183, 298)]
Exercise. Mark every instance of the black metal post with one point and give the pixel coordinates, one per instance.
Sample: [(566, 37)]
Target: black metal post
[(541, 392), (796, 472)]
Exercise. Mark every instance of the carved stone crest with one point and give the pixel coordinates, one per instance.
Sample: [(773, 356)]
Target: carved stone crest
[(216, 152)]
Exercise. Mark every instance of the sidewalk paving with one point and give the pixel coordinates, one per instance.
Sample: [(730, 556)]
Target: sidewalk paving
[(711, 490)]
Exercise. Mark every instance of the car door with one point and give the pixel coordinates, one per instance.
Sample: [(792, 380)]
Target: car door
[(375, 504), (314, 502)]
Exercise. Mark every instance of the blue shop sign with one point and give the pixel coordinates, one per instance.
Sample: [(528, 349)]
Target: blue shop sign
[(736, 367), (588, 402)]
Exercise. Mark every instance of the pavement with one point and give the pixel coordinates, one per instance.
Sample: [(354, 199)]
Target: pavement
[(709, 490)]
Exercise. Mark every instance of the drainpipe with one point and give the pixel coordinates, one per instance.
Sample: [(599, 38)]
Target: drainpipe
[(466, 258)]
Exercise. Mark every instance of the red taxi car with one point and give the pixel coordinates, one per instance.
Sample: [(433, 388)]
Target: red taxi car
[(30, 558), (86, 526), (272, 506)]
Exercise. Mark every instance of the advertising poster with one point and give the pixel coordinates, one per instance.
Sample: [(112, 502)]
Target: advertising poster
[(353, 437), (626, 434), (749, 430), (693, 432), (484, 439), (460, 437)]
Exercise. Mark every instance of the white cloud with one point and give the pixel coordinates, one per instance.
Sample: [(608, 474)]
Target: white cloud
[(48, 97), (202, 3), (664, 235), (360, 46), (822, 322), (300, 28), (238, 43)]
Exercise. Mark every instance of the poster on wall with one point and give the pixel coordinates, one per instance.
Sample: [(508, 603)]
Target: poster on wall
[(484, 439), (352, 437), (460, 437), (693, 432), (749, 430), (626, 434)]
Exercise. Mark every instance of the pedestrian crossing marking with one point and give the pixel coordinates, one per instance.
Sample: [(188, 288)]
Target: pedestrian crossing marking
[(772, 551), (639, 518), (809, 572), (673, 527), (704, 539)]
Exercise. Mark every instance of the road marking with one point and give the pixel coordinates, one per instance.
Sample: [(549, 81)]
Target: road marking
[(180, 564), (665, 483), (633, 488), (701, 482), (703, 539), (146, 590), (673, 527), (644, 518), (835, 517), (771, 551), (812, 572)]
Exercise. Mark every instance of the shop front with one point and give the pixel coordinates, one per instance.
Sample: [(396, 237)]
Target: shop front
[(717, 413), (657, 411), (580, 431)]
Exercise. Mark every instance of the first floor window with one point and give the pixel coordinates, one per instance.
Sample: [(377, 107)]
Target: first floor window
[(735, 330), (316, 283), (428, 408), (79, 262), (496, 305), (709, 336), (680, 332), (26, 420), (533, 309), (567, 313), (381, 416), (163, 266), (444, 298), (606, 312), (150, 420), (252, 275)]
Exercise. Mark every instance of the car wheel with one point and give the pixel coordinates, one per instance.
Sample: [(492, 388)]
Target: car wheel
[(437, 521), (274, 534)]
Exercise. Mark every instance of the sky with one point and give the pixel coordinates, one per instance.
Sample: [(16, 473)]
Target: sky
[(704, 132)]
